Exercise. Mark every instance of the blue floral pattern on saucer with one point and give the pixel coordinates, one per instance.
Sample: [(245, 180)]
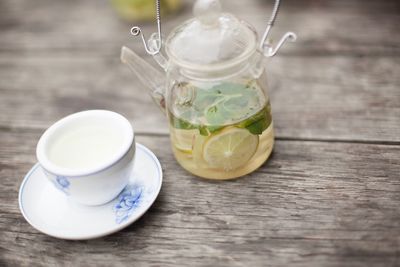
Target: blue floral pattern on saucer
[(128, 200), (62, 183)]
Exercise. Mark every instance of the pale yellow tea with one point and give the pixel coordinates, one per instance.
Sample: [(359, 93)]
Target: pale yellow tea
[(225, 132), (85, 146)]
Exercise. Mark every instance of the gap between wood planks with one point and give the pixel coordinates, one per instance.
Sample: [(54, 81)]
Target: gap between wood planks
[(283, 138), (54, 53), (278, 138)]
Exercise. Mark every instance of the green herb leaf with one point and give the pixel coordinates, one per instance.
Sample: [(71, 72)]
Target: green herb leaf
[(258, 127), (208, 130), (181, 124), (215, 108), (259, 122)]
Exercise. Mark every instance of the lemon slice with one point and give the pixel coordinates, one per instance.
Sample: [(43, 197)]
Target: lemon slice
[(230, 149), (183, 140)]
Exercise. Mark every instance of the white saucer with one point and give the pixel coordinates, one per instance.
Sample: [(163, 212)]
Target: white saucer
[(53, 213)]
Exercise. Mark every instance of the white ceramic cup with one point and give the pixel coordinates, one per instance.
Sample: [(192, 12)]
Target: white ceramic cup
[(104, 179)]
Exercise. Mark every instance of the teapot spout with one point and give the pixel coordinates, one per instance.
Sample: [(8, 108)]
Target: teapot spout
[(153, 80)]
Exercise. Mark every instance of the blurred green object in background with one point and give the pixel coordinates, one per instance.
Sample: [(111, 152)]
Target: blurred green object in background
[(141, 10)]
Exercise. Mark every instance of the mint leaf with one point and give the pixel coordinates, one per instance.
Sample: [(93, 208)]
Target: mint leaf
[(259, 122), (215, 108), (208, 130), (181, 123), (258, 127)]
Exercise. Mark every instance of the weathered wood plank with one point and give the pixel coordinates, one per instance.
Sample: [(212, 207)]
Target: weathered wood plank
[(330, 98), (59, 65), (91, 28), (312, 204)]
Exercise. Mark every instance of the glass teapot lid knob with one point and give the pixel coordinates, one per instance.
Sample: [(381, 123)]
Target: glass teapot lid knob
[(207, 11)]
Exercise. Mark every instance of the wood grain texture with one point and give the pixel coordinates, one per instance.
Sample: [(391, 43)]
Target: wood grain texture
[(329, 195), (329, 98), (313, 203), (345, 92), (50, 28)]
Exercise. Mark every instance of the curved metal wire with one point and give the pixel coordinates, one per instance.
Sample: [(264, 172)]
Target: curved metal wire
[(135, 31), (288, 36), (270, 22)]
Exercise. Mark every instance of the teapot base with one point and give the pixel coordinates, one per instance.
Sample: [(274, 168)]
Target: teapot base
[(197, 165)]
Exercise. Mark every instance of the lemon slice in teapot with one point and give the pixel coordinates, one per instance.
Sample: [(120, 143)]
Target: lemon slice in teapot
[(183, 140), (230, 149)]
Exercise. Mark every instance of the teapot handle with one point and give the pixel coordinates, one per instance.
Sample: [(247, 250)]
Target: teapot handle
[(151, 49), (265, 46)]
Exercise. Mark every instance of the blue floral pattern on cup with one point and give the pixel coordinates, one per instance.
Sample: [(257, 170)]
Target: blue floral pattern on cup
[(62, 183), (128, 200)]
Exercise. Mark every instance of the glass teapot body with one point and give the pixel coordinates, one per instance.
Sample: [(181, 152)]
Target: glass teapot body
[(213, 90), (220, 120)]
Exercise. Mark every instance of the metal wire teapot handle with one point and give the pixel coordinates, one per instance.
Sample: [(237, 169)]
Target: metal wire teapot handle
[(269, 51), (151, 49), (267, 48)]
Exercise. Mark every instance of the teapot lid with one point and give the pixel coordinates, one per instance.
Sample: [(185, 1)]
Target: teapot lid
[(211, 38)]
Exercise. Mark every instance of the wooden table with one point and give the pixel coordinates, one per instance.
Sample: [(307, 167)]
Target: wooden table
[(329, 195)]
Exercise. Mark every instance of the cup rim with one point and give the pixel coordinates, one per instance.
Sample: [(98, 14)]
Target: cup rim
[(49, 166)]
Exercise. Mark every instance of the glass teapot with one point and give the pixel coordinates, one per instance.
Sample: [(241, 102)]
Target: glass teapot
[(212, 91)]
